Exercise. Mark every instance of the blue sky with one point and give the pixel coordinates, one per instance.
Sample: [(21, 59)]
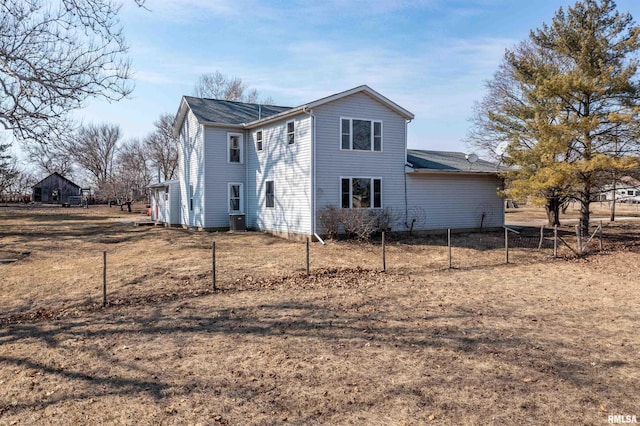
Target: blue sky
[(430, 56)]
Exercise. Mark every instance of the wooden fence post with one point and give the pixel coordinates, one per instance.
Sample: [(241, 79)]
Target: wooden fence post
[(213, 264), (449, 245), (104, 279), (555, 240), (384, 258)]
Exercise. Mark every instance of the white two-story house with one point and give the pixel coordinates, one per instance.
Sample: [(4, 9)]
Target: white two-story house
[(274, 168)]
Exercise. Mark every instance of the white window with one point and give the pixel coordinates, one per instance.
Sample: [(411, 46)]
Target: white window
[(234, 148), (236, 203), (259, 143), (291, 132), (358, 192), (269, 194), (360, 135)]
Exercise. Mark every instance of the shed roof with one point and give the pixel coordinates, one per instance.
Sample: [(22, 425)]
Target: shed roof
[(449, 162), (59, 176)]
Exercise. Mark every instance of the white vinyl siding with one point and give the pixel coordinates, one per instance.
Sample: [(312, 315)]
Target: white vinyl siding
[(191, 172), (289, 167), (333, 162), (218, 173), (443, 201)]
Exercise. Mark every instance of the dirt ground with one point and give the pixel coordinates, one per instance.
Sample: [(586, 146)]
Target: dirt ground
[(535, 341)]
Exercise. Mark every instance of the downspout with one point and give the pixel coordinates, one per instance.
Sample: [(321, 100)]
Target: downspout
[(404, 173), (313, 173), (245, 193)]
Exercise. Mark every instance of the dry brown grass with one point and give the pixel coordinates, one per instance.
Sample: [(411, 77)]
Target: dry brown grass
[(539, 341)]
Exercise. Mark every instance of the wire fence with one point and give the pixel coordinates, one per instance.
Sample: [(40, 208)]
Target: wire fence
[(203, 263), (450, 250)]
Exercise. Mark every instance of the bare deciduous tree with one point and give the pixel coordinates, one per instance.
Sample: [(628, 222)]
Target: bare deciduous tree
[(162, 147), (94, 148), (51, 157), (8, 169), (219, 86), (131, 177), (53, 56)]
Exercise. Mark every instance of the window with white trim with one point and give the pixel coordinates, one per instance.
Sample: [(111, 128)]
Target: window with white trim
[(190, 197), (259, 142), (235, 197), (234, 148), (291, 132), (358, 192), (269, 194), (360, 135)]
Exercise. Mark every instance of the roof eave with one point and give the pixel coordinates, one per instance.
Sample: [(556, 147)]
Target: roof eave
[(281, 115), (179, 118), (225, 125), (452, 172)]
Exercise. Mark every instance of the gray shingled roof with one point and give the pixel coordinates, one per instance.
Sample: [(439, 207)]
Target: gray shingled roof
[(230, 112), (443, 161)]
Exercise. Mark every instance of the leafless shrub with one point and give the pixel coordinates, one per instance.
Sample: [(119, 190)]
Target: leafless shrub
[(360, 224), (331, 218)]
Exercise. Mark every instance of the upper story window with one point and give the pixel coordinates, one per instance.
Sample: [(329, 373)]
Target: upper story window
[(361, 135), (291, 132), (259, 142), (360, 192), (234, 148)]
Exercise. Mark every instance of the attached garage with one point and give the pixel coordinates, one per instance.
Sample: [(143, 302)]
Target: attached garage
[(453, 190)]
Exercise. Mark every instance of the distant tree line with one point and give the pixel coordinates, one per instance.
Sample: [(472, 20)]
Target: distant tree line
[(97, 154)]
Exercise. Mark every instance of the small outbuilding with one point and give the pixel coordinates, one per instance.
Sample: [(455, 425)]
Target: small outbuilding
[(165, 202), (55, 189)]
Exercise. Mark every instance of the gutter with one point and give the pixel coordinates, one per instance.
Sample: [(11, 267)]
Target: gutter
[(451, 172)]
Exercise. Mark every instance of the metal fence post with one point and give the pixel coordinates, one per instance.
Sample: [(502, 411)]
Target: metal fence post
[(384, 257), (104, 279), (308, 256), (555, 240), (506, 245), (213, 264), (449, 245)]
